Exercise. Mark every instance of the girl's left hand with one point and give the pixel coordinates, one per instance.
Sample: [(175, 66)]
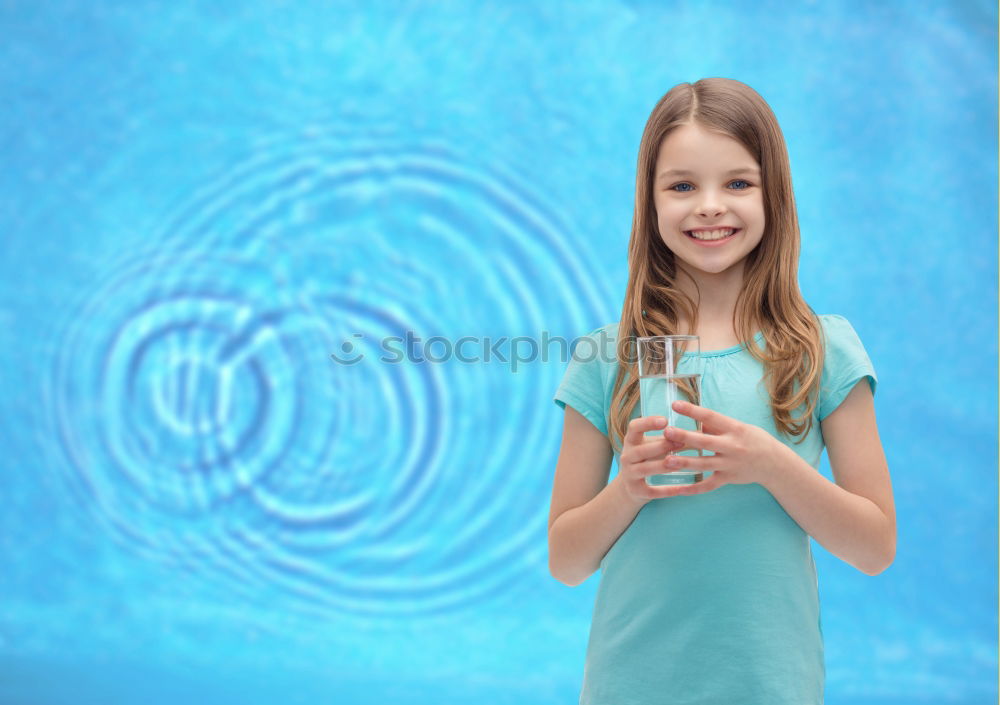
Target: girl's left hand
[(744, 453)]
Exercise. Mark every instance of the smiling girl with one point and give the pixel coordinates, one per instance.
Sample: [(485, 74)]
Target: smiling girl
[(708, 592)]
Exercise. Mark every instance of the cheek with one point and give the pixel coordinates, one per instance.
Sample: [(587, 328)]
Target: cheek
[(668, 214)]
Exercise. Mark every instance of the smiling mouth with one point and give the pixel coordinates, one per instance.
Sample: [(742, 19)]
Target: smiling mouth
[(712, 235)]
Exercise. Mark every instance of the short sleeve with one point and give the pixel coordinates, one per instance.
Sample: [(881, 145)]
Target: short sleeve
[(582, 386), (846, 361)]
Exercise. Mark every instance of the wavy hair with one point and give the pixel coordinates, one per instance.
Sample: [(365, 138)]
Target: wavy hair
[(770, 299)]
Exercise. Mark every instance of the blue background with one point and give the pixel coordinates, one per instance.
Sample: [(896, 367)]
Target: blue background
[(201, 203)]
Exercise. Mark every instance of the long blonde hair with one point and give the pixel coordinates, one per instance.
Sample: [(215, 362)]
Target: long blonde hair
[(770, 299)]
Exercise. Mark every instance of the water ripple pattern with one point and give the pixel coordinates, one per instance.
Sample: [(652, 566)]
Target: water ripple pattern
[(204, 419)]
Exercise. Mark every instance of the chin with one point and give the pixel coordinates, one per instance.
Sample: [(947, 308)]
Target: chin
[(711, 269)]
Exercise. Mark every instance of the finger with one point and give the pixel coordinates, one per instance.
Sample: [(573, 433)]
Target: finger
[(693, 440), (707, 416), (694, 463), (668, 491), (653, 466), (665, 491), (696, 488), (637, 427), (653, 448), (713, 482)]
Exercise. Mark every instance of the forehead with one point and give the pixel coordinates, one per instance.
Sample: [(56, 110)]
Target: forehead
[(693, 148)]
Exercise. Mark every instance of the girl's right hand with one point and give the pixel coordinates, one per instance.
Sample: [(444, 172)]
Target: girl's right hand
[(642, 457)]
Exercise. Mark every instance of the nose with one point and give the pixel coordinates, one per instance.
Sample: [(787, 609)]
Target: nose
[(711, 205)]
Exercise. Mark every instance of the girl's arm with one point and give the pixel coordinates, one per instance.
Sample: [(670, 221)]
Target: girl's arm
[(854, 519), (587, 515)]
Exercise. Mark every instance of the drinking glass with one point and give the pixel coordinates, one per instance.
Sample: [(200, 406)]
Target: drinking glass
[(670, 369)]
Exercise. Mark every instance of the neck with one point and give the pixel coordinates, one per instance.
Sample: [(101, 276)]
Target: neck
[(715, 297)]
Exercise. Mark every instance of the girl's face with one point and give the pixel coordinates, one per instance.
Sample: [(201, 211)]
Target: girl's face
[(707, 183)]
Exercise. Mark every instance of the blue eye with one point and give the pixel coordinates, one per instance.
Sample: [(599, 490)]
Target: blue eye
[(685, 187)]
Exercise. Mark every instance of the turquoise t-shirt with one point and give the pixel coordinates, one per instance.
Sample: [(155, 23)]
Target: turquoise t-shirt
[(711, 598)]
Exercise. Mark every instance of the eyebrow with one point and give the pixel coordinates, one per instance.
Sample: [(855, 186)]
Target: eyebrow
[(731, 172)]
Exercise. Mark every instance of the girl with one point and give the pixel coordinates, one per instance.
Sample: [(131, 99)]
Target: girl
[(708, 592)]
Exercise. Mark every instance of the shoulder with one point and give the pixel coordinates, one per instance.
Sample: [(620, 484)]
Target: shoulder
[(839, 336), (590, 374), (596, 353), (845, 361), (834, 324), (610, 329), (598, 345)]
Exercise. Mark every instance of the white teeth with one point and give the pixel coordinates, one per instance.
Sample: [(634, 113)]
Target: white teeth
[(711, 234)]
